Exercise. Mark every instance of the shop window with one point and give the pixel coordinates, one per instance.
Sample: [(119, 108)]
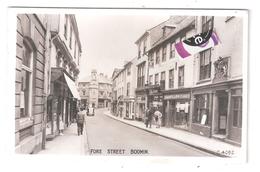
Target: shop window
[(171, 78), (26, 88), (205, 64), (207, 23), (164, 53), (201, 109), (172, 50), (181, 76), (236, 107)]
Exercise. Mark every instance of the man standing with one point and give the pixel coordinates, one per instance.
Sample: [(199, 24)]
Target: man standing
[(80, 121)]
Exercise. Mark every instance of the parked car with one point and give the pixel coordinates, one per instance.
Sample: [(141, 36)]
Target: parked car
[(91, 111)]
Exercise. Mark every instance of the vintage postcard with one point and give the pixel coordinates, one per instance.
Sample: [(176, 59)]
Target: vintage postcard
[(130, 82)]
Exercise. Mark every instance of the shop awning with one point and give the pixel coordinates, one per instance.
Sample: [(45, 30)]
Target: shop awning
[(72, 87)]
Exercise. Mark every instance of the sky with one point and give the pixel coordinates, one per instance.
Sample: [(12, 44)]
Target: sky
[(109, 40)]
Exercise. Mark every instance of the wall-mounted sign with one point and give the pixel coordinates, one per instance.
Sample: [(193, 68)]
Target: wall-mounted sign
[(177, 96)]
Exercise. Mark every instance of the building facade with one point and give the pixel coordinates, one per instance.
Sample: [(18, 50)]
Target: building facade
[(170, 77), (95, 90), (45, 75), (202, 93), (217, 90), (65, 53), (29, 83)]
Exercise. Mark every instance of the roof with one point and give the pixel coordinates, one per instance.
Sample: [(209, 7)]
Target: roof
[(100, 79), (180, 26)]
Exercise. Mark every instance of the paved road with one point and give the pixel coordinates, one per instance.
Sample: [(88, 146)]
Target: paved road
[(107, 136)]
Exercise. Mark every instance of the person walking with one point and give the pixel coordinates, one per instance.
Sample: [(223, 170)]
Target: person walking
[(158, 118), (80, 121), (146, 117), (150, 117), (61, 126)]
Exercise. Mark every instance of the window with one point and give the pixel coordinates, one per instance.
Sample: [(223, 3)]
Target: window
[(162, 81), (66, 26), (171, 78), (101, 93), (181, 76), (236, 107), (207, 23), (201, 109), (151, 60), (164, 53), (139, 51), (140, 75), (128, 89), (129, 70), (162, 76), (157, 58), (70, 37), (144, 44), (172, 49), (156, 79), (151, 80), (75, 47), (205, 64), (84, 92), (26, 86)]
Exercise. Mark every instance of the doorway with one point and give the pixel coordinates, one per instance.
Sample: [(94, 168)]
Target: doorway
[(222, 112)]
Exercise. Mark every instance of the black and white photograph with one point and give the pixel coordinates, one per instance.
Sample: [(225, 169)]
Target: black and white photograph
[(129, 85)]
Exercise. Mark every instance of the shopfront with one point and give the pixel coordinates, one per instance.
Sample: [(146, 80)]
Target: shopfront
[(129, 107), (217, 111), (155, 100), (140, 107), (177, 108), (62, 102)]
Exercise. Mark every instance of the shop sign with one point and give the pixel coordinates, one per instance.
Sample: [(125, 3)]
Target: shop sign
[(177, 96), (157, 98), (153, 91), (140, 98)]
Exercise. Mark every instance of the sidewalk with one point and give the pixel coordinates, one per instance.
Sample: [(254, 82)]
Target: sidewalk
[(69, 143), (210, 145)]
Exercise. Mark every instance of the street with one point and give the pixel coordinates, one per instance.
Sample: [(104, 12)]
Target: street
[(106, 136)]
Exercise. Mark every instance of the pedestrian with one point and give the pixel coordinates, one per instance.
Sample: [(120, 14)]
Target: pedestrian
[(87, 110), (146, 117), (158, 118), (80, 121), (61, 126), (150, 117)]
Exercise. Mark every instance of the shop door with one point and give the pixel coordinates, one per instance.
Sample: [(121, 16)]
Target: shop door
[(222, 109), (172, 113)]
